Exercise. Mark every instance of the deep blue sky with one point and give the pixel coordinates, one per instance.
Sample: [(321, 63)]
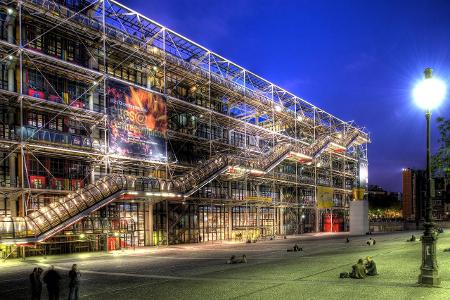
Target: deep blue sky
[(356, 59)]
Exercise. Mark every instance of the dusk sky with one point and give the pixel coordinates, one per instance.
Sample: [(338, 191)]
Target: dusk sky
[(358, 60)]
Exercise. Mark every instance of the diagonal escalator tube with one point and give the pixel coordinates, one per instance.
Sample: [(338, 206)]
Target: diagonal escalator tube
[(48, 220)]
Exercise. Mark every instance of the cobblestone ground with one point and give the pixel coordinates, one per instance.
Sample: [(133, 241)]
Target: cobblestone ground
[(200, 272)]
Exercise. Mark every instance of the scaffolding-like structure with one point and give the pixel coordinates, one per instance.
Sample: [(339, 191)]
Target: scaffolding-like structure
[(244, 156)]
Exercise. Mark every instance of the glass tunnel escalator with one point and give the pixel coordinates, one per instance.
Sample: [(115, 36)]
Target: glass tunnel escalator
[(51, 219)]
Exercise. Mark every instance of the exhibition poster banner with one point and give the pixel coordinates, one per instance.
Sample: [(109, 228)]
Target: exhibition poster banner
[(324, 197), (138, 122)]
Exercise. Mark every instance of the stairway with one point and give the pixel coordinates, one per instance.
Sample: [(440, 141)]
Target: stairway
[(51, 219)]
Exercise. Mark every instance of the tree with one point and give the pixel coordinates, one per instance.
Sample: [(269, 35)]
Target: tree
[(440, 161)]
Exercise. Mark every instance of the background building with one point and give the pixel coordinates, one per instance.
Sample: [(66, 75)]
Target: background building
[(414, 186), (162, 140)]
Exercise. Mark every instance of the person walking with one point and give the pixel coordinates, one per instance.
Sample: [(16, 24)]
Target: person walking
[(36, 284), (52, 278), (74, 282)]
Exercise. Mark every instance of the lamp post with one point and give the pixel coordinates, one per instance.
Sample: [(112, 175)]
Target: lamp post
[(428, 94)]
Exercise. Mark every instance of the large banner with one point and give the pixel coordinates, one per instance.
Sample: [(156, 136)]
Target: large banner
[(138, 122), (324, 197), (363, 174)]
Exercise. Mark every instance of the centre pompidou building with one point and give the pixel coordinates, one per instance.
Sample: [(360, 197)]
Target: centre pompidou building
[(116, 131)]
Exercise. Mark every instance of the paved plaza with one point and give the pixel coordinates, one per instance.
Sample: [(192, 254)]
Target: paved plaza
[(200, 271)]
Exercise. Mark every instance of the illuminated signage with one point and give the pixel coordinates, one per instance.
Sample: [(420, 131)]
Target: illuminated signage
[(138, 122)]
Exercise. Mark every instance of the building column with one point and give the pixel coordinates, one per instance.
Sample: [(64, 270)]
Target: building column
[(91, 100), (12, 199), (148, 81), (148, 224), (11, 25), (12, 170), (230, 222), (282, 231), (11, 65), (258, 218), (93, 65), (92, 174), (317, 213)]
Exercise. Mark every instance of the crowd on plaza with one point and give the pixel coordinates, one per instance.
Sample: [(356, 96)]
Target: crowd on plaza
[(51, 278)]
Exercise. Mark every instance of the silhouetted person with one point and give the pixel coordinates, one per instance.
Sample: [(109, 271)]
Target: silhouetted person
[(74, 283), (36, 284), (371, 266), (347, 240), (412, 239), (52, 278)]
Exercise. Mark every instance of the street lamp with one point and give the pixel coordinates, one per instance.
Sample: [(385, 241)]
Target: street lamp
[(428, 94)]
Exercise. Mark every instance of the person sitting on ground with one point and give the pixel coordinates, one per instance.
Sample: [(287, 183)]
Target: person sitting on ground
[(412, 239), (371, 242), (296, 248), (358, 270), (440, 230), (371, 266), (234, 260)]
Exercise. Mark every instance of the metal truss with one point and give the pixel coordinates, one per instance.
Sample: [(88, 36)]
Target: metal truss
[(199, 84)]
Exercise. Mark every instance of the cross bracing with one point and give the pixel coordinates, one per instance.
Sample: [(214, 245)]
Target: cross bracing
[(214, 106)]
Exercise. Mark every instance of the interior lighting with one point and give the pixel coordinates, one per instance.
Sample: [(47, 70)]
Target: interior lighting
[(300, 118), (9, 10), (277, 108)]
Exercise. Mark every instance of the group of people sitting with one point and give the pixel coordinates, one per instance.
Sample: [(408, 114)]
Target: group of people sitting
[(234, 260), (296, 248), (363, 268), (371, 242)]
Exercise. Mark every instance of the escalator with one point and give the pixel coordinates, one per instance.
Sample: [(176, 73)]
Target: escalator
[(53, 218)]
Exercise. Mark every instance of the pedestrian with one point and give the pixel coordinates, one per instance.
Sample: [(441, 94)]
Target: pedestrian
[(347, 240), (52, 278), (74, 282), (36, 284)]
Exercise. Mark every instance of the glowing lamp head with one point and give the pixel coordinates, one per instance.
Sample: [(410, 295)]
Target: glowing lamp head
[(278, 108), (430, 92)]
